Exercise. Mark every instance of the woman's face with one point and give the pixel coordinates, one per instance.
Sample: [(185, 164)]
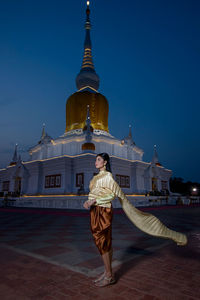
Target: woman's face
[(100, 162)]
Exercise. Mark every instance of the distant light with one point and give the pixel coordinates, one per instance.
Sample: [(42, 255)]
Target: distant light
[(88, 3), (194, 189)]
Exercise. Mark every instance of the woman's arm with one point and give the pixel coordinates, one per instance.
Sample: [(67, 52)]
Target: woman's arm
[(102, 195), (89, 203), (111, 186)]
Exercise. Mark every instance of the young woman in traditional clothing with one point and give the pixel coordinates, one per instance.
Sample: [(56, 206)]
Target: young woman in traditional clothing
[(104, 189)]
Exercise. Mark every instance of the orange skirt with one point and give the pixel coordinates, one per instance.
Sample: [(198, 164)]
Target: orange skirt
[(101, 227)]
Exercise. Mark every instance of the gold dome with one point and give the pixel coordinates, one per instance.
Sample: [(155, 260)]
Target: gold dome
[(76, 111)]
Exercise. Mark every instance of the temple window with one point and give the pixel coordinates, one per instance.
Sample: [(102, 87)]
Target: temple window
[(123, 180), (79, 179), (53, 181), (5, 186)]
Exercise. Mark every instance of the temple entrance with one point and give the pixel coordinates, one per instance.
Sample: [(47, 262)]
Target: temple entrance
[(17, 189), (154, 184)]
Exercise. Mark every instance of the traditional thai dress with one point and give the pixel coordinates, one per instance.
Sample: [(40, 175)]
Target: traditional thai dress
[(104, 189)]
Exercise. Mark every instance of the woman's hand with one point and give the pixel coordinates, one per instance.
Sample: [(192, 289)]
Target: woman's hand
[(88, 203)]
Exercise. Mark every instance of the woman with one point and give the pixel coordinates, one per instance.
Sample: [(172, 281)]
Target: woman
[(103, 189)]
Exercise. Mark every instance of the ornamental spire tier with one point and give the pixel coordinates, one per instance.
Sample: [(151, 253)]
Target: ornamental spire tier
[(88, 133), (129, 139), (87, 82), (14, 159), (87, 78), (155, 160)]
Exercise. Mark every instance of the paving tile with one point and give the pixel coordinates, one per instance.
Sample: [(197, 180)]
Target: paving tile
[(91, 263), (147, 268), (72, 257), (32, 245), (51, 251)]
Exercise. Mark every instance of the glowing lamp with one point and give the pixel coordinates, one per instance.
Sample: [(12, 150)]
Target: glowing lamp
[(194, 190)]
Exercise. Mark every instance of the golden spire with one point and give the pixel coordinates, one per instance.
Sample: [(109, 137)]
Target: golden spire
[(87, 78), (87, 82)]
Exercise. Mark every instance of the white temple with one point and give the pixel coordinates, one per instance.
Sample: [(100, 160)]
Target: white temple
[(63, 167)]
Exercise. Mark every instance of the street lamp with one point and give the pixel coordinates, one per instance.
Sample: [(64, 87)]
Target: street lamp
[(194, 190)]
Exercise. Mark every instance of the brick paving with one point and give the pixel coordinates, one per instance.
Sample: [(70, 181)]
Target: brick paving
[(50, 254)]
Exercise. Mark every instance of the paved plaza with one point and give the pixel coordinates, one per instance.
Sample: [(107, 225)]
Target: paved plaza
[(50, 254)]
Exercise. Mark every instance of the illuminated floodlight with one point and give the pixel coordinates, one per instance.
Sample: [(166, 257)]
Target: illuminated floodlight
[(88, 3)]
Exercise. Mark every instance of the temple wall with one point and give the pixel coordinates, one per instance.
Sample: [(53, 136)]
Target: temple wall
[(58, 176), (73, 146)]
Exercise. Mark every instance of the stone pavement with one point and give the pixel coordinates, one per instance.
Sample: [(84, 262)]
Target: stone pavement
[(50, 254)]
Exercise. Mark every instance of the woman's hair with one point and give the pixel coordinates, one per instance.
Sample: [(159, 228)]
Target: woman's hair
[(106, 157)]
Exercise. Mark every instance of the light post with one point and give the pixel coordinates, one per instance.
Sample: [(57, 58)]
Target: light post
[(194, 190)]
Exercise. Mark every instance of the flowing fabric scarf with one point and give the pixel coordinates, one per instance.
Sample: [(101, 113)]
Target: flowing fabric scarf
[(104, 189)]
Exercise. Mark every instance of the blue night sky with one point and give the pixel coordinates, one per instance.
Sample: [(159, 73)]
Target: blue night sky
[(146, 52)]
